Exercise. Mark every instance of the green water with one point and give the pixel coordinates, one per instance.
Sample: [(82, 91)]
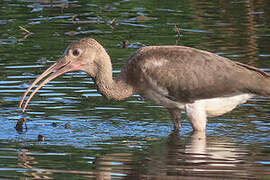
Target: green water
[(131, 139)]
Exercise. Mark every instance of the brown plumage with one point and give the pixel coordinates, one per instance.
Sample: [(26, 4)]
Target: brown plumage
[(177, 77)]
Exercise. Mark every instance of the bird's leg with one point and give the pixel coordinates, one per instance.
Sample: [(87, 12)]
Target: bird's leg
[(197, 115), (176, 116)]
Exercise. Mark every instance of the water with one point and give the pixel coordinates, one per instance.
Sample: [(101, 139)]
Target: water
[(87, 137)]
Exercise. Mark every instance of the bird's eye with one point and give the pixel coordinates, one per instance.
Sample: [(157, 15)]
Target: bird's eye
[(76, 52)]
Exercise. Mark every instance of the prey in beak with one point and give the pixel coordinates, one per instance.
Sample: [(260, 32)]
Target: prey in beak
[(69, 62)]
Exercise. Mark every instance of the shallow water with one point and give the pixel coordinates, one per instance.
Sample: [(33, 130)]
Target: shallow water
[(87, 136)]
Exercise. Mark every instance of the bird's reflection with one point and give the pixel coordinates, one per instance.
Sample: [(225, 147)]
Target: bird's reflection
[(213, 151), (195, 156), (176, 156)]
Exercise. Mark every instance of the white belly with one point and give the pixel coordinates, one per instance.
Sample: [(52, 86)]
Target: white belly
[(221, 105), (211, 107), (199, 110)]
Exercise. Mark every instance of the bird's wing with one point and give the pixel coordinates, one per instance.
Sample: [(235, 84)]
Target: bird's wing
[(188, 74)]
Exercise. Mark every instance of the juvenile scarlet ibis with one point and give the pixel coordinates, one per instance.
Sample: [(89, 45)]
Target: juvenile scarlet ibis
[(176, 77)]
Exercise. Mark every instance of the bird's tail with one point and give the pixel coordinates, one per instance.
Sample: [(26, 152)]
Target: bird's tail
[(258, 82), (260, 86)]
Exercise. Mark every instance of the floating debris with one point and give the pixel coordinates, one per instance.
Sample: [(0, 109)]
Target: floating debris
[(72, 33), (19, 125), (113, 23), (86, 22), (178, 34), (43, 60), (143, 18), (25, 30), (73, 18), (55, 34), (41, 137), (67, 126), (26, 34), (152, 139), (125, 44), (54, 124)]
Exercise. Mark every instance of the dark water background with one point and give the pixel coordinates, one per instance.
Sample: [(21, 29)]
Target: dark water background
[(132, 139)]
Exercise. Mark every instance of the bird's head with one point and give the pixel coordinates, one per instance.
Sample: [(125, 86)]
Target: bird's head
[(83, 55)]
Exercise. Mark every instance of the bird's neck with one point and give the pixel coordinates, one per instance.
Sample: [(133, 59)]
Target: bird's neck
[(117, 89)]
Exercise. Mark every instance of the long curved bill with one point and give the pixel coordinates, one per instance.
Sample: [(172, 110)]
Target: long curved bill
[(57, 69)]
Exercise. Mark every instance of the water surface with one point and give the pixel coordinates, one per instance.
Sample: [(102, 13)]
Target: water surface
[(87, 136)]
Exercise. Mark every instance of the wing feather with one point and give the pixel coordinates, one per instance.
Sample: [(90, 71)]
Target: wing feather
[(188, 74)]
